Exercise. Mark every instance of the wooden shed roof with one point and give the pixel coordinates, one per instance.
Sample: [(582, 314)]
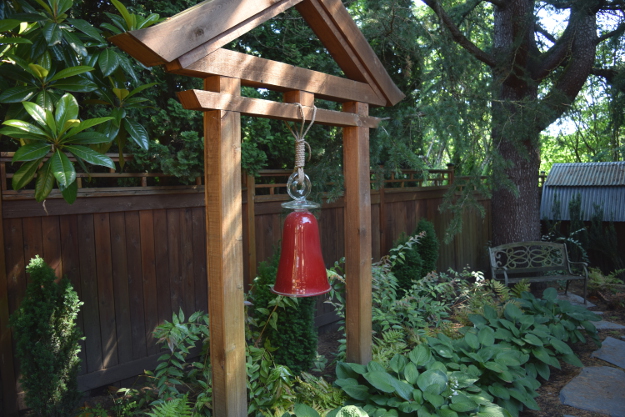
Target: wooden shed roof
[(186, 41)]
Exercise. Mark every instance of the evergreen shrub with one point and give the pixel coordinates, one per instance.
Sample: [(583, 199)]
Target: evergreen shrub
[(428, 246), (48, 342), (420, 258), (295, 338)]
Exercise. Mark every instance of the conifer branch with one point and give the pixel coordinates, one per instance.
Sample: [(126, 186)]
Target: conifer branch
[(457, 35)]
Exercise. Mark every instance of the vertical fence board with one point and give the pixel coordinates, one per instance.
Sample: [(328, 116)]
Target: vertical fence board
[(119, 266), (71, 269), (89, 286), (106, 293), (7, 368), (148, 264), (135, 284), (173, 253), (50, 229), (162, 265), (186, 260)]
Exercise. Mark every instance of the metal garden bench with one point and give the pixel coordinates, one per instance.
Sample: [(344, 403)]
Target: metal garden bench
[(535, 262)]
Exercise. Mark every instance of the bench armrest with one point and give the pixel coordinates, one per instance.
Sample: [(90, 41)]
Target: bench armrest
[(584, 266)]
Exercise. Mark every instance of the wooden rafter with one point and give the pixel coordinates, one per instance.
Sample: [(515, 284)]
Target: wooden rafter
[(264, 73), (191, 36), (206, 100)]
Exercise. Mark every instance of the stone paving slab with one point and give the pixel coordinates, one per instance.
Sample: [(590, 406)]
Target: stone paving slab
[(599, 389), (612, 350), (606, 325), (575, 299)]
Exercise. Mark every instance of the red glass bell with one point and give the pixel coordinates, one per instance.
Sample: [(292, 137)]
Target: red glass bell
[(301, 271)]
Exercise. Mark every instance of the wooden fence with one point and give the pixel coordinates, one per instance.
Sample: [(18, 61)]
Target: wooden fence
[(135, 255)]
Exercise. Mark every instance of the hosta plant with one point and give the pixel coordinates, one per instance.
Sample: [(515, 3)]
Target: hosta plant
[(415, 384), (47, 144)]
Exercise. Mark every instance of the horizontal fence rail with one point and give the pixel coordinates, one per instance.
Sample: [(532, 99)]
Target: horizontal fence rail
[(135, 255)]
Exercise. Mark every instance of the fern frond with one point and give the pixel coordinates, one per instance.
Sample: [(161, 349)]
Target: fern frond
[(178, 407), (520, 287)]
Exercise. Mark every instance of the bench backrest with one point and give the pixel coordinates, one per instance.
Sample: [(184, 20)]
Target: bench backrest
[(527, 257)]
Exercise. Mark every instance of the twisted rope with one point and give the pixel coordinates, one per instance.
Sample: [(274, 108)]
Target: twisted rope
[(300, 142)]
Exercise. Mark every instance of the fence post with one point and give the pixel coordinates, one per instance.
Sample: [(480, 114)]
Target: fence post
[(451, 178)]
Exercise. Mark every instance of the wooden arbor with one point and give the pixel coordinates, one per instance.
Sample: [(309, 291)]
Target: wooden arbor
[(190, 44)]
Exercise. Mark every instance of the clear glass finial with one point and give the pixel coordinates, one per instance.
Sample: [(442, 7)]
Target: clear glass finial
[(298, 189)]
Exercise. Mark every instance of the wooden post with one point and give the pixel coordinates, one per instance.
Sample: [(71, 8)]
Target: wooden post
[(222, 171), (251, 227), (357, 238), (7, 371)]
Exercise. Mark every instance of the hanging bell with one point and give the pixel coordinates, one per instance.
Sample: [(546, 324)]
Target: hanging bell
[(301, 271)]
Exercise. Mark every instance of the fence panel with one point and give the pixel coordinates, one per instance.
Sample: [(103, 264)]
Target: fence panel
[(137, 256)]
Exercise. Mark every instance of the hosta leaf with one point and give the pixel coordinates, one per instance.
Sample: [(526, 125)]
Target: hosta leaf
[(512, 312), (420, 355), (380, 380), (472, 340), (496, 367), (462, 404), (489, 312), (398, 363), (17, 94), (477, 319), (403, 389), (344, 371), (499, 391), (544, 355), (357, 392), (434, 399), (432, 378), (25, 174), (508, 359), (45, 182), (62, 168), (305, 411), (411, 373), (533, 339), (491, 411), (560, 346), (32, 151), (572, 359), (486, 336)]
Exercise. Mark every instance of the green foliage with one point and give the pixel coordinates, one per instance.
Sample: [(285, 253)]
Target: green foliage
[(414, 383), (428, 245), (294, 335), (178, 407), (408, 267), (47, 342), (173, 376), (59, 61), (608, 283)]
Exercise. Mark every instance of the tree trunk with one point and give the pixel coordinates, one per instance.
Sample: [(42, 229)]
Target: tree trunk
[(515, 202)]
